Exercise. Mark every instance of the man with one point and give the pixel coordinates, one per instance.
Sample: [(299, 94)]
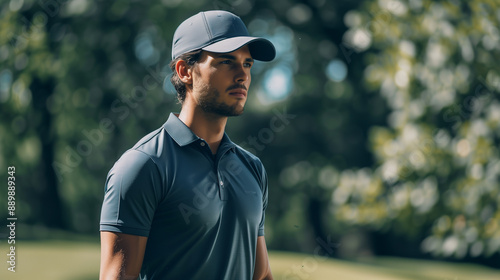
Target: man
[(185, 202)]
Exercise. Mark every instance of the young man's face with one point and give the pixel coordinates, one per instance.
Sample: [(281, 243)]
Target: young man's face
[(221, 81)]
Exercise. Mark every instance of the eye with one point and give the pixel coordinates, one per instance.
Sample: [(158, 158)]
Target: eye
[(248, 64), (226, 62)]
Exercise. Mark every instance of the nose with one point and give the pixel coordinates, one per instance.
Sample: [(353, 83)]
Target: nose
[(242, 74)]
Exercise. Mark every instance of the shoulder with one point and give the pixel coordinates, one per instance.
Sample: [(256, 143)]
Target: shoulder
[(248, 155), (133, 165), (152, 144), (135, 175), (252, 160), (143, 158), (133, 158)]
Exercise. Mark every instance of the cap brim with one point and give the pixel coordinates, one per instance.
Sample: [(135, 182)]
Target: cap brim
[(260, 48)]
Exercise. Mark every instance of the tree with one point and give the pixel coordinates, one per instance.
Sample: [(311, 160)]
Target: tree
[(376, 116), (436, 172)]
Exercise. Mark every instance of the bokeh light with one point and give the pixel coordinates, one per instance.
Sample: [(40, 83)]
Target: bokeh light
[(336, 70)]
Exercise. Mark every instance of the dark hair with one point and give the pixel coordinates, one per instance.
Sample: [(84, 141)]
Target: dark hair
[(191, 58)]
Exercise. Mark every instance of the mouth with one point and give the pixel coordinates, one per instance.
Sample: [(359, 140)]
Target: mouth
[(239, 93)]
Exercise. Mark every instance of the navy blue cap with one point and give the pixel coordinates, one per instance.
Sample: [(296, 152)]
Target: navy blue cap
[(218, 32)]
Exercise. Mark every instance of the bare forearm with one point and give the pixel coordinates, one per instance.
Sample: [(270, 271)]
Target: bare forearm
[(264, 273), (116, 270), (115, 274), (121, 256), (262, 267), (265, 276)]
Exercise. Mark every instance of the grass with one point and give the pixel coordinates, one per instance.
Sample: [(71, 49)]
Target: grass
[(291, 266), (54, 260), (71, 260)]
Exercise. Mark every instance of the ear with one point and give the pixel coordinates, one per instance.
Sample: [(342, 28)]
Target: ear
[(184, 72)]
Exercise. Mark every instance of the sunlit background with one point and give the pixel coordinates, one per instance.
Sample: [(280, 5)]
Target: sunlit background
[(378, 122)]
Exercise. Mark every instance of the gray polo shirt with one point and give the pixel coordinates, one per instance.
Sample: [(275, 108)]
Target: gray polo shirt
[(201, 213)]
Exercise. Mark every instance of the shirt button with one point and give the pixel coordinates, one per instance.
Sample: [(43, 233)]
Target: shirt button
[(221, 183), (202, 144)]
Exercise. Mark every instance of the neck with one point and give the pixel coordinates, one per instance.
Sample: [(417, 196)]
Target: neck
[(208, 126)]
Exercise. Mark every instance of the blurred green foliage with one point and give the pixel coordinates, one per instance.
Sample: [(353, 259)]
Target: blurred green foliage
[(437, 164), (389, 114)]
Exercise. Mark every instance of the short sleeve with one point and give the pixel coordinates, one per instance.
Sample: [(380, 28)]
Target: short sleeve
[(264, 201), (132, 192)]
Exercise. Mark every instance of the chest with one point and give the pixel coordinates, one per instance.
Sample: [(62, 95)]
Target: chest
[(205, 193)]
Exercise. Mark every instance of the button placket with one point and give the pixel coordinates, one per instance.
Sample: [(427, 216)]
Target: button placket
[(222, 190)]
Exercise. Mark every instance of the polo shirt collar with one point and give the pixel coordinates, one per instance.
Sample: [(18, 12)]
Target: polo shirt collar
[(226, 143), (183, 135), (179, 131)]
